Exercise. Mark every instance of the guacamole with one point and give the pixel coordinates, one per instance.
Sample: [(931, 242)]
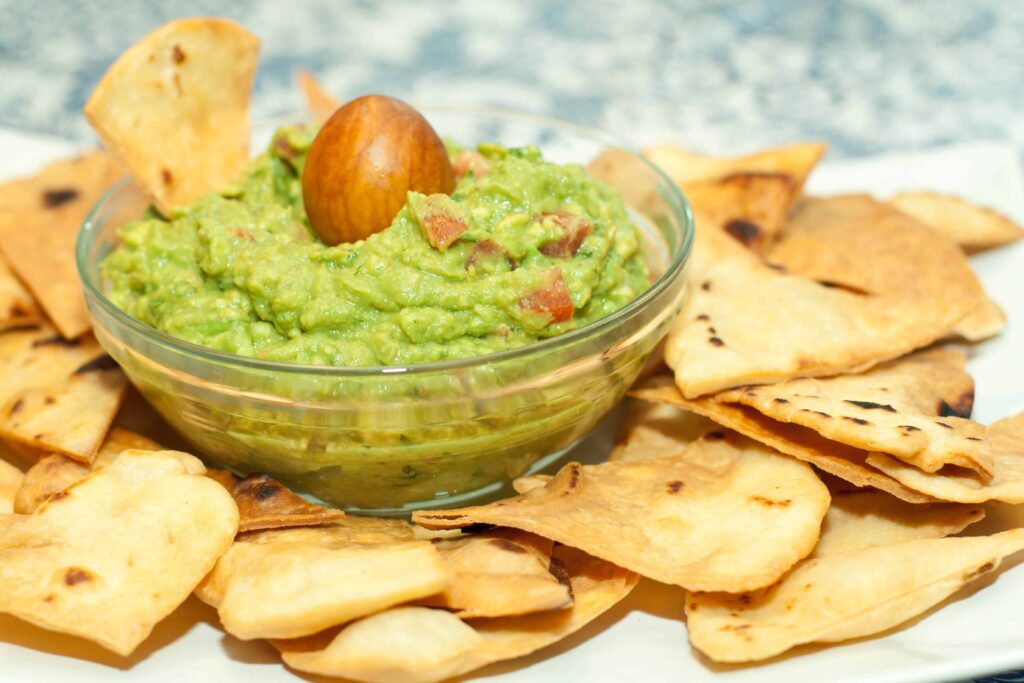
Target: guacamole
[(523, 249)]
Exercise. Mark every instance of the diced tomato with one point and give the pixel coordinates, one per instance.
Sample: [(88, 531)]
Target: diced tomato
[(552, 299), (468, 161), (440, 221), (484, 250), (574, 230)]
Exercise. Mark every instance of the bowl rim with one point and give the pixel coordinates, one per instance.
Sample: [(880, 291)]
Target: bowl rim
[(675, 198)]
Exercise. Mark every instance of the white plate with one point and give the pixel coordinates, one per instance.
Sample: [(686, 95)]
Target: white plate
[(644, 638)]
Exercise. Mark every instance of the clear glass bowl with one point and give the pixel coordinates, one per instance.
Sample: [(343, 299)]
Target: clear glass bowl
[(391, 439)]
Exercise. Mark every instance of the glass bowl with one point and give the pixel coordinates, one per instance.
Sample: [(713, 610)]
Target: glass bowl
[(392, 439)]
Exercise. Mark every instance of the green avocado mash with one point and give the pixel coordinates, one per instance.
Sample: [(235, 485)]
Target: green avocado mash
[(540, 249)]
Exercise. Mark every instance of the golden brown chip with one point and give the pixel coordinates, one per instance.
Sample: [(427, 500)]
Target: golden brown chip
[(499, 573), (727, 513), (57, 395), (39, 221), (422, 645), (319, 103), (118, 551), (287, 583), (175, 108), (914, 408), (265, 503), (845, 462), (973, 227), (17, 307), (749, 207), (962, 486), (796, 160), (842, 596), (10, 481), (747, 323)]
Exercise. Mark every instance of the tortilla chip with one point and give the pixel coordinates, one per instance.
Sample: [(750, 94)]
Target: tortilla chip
[(913, 408), (842, 596), (749, 207), (319, 103), (684, 167), (288, 583), (39, 221), (987, 321), (118, 552), (422, 645), (973, 227), (17, 307), (845, 462), (10, 481), (54, 473), (175, 108), (57, 395), (727, 513), (962, 486), (265, 503), (747, 323), (863, 519), (499, 573)]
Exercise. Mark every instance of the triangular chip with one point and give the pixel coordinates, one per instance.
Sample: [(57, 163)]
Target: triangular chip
[(175, 108), (17, 307), (973, 227), (796, 160), (1006, 484), (500, 573), (423, 645), (319, 103), (842, 596), (57, 395), (264, 503), (10, 481), (54, 473), (727, 513), (288, 583), (39, 222), (913, 408), (845, 462), (747, 323), (118, 551)]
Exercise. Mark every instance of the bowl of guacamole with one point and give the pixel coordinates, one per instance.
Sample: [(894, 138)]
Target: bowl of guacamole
[(412, 368)]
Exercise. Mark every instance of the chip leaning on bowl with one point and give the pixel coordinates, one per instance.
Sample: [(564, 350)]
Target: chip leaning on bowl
[(546, 249)]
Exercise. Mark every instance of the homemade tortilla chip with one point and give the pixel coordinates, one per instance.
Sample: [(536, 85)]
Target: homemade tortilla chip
[(319, 103), (961, 486), (845, 462), (747, 323), (749, 207), (842, 596), (423, 645), (118, 551), (54, 473), (175, 108), (39, 221), (10, 481), (499, 573), (17, 307), (684, 167), (727, 513), (264, 503), (913, 408), (973, 227), (57, 395), (288, 583)]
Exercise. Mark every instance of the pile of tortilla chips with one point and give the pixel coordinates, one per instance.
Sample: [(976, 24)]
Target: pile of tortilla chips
[(802, 475)]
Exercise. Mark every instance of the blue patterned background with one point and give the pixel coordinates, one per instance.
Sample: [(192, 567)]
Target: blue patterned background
[(870, 76)]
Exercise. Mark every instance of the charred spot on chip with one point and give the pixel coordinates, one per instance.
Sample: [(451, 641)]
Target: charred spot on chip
[(177, 54), (714, 436), (830, 284), (558, 571), (59, 196), (974, 438), (856, 420), (49, 400), (770, 502), (909, 428), (943, 424), (507, 545), (674, 486), (777, 267), (780, 400), (815, 412), (744, 598), (706, 285), (703, 317), (55, 340), (987, 567), (475, 528), (60, 495), (16, 406), (716, 341), (574, 477), (743, 231), (165, 175), (961, 407), (98, 364), (871, 405), (76, 575)]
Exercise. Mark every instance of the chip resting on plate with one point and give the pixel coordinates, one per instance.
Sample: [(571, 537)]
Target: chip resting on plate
[(1006, 484), (264, 503), (286, 583), (973, 227), (175, 108), (118, 551), (422, 645), (57, 395), (500, 573), (725, 514), (39, 221), (839, 596)]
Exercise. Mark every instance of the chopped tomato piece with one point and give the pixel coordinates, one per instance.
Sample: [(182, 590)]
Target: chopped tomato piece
[(468, 161), (440, 220), (552, 299), (574, 230)]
